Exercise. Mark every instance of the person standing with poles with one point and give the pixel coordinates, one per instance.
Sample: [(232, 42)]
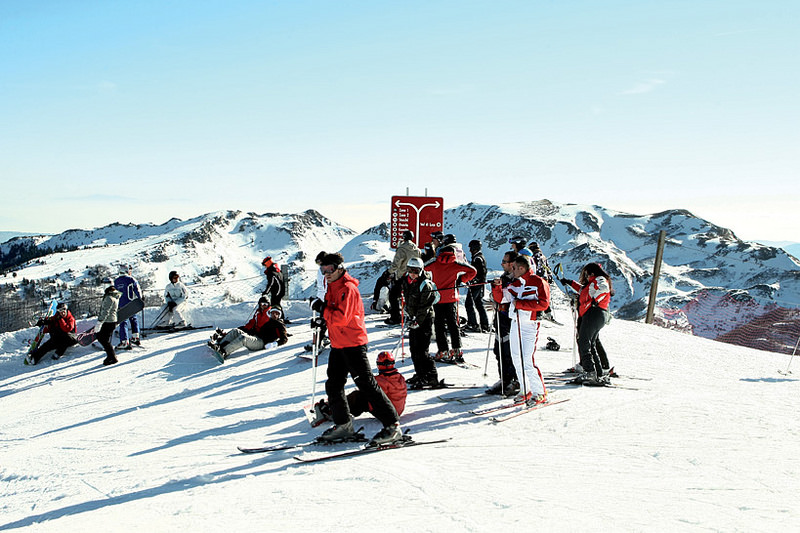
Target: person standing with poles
[(508, 384), (420, 296), (529, 295), (344, 313), (175, 293), (405, 251)]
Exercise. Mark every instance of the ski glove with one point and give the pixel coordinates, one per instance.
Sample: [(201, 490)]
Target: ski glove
[(317, 305), (171, 305), (316, 323), (413, 324), (564, 281)]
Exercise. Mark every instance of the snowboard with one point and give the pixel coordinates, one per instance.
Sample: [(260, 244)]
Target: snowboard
[(37, 340), (87, 337)]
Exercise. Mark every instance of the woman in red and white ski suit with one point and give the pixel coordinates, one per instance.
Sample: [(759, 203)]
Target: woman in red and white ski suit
[(527, 295), (594, 296)]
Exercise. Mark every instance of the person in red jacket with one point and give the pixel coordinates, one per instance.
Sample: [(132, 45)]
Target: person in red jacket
[(447, 272), (61, 327), (594, 296), (528, 296), (389, 379), (260, 330), (344, 313)]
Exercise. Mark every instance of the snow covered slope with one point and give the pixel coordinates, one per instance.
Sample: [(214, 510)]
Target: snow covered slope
[(704, 438)]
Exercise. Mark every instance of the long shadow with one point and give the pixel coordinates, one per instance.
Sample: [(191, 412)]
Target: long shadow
[(769, 380)]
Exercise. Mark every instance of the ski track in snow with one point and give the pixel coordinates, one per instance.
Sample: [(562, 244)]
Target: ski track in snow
[(149, 444)]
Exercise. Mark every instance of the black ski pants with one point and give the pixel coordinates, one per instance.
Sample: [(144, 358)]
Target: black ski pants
[(59, 343), (419, 342), (446, 321), (589, 326), (104, 338), (502, 348), (353, 360), (473, 303), (395, 291)]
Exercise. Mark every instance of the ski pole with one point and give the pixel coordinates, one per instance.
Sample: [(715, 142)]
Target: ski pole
[(489, 347), (521, 360), (402, 327), (314, 353), (793, 354)]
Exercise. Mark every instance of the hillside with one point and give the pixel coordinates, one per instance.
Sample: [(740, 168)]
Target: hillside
[(704, 439), (712, 283)]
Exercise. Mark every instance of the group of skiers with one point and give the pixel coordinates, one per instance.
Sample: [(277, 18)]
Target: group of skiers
[(427, 282)]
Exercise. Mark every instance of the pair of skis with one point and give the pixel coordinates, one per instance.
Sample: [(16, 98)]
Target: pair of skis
[(521, 409)]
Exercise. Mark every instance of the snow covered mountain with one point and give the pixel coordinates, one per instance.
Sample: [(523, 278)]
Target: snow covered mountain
[(711, 283)]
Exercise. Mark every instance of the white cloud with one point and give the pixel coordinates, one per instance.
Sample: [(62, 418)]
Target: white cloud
[(645, 86)]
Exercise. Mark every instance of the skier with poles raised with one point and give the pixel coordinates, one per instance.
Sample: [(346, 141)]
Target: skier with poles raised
[(528, 296), (594, 295), (344, 313), (420, 296)]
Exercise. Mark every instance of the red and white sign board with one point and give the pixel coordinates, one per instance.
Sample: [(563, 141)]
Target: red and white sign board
[(421, 214)]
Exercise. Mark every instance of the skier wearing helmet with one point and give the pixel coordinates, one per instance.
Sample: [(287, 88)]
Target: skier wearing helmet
[(405, 251), (175, 293), (389, 379), (420, 294)]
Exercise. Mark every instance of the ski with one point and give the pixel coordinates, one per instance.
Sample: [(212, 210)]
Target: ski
[(407, 442), (443, 385), (357, 437), (472, 398), (489, 410), (153, 331), (498, 419), (599, 386)]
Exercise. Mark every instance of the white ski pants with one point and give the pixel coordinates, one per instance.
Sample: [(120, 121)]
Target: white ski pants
[(523, 339)]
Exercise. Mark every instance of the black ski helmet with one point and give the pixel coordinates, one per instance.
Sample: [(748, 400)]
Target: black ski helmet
[(408, 235), (475, 245), (173, 274), (449, 239)]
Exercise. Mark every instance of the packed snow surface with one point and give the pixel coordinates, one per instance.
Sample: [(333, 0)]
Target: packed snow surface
[(703, 438)]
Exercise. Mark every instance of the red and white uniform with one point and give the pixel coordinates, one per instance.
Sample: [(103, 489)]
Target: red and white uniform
[(526, 296), (596, 289)]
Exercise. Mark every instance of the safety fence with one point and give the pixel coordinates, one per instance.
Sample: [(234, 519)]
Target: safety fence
[(735, 318)]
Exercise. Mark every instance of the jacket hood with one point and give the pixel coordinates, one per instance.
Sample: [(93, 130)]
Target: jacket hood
[(446, 257)]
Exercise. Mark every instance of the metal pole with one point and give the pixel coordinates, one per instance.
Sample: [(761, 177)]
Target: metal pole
[(651, 305)]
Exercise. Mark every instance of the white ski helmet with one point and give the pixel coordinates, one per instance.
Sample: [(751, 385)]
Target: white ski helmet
[(415, 262)]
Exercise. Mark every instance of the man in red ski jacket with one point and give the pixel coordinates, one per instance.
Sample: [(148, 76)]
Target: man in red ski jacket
[(447, 272), (344, 313)]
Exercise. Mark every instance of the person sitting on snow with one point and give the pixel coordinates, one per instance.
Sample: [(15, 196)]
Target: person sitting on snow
[(175, 293), (263, 328), (389, 379), (61, 327)]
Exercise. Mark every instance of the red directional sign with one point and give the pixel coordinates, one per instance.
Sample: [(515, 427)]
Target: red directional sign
[(420, 214)]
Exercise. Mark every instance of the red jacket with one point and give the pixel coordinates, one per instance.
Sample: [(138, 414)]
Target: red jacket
[(257, 322), (446, 271), (394, 385), (530, 294), (596, 289), (344, 313), (60, 325)]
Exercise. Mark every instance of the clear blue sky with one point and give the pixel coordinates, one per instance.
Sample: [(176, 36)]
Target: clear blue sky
[(137, 111)]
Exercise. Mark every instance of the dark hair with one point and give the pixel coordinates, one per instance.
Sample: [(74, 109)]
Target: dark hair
[(595, 269), (512, 256), (320, 256), (408, 235), (522, 260), (334, 259)]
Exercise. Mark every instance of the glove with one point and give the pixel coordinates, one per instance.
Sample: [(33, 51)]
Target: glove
[(374, 306), (40, 322), (317, 305), (316, 323), (564, 281), (413, 324), (281, 342), (171, 305)]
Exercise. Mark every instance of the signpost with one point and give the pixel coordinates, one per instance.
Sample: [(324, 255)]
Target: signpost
[(420, 214)]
